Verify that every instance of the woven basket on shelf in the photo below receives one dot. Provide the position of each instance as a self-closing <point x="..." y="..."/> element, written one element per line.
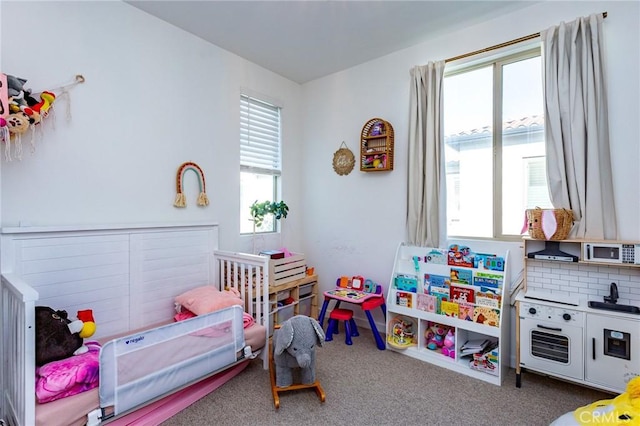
<point x="564" y="220"/>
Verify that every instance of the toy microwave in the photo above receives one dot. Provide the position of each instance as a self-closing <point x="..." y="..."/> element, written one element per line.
<point x="611" y="253"/>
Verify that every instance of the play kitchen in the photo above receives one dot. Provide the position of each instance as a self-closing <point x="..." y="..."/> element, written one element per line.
<point x="578" y="317"/>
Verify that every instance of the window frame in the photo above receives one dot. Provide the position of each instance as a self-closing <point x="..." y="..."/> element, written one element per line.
<point x="253" y="163"/>
<point x="496" y="60"/>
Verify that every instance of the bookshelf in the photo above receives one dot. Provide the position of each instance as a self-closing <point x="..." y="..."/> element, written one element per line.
<point x="429" y="319"/>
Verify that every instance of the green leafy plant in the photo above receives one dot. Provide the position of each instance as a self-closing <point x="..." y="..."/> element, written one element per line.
<point x="259" y="210"/>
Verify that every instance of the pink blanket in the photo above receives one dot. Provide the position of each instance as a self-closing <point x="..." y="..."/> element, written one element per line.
<point x="247" y="320"/>
<point x="68" y="376"/>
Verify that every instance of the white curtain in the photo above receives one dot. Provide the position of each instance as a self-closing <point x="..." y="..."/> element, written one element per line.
<point x="425" y="193"/>
<point x="577" y="126"/>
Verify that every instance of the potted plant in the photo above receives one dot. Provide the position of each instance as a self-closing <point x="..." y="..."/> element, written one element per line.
<point x="279" y="210"/>
<point x="258" y="211"/>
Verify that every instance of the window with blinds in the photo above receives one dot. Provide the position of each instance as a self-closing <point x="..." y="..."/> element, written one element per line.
<point x="260" y="159"/>
<point x="259" y="136"/>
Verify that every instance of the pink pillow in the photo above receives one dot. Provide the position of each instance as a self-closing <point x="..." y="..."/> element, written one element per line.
<point x="206" y="299"/>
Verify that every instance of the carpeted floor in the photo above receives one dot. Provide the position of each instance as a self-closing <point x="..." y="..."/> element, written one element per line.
<point x="366" y="386"/>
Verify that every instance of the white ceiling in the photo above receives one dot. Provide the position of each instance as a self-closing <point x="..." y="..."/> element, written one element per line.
<point x="306" y="40"/>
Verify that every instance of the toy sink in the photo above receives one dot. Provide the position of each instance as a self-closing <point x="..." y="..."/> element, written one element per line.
<point x="614" y="307"/>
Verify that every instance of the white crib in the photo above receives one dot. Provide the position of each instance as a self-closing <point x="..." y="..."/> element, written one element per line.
<point x="128" y="276"/>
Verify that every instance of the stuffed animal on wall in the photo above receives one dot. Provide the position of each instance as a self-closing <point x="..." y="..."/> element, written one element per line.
<point x="295" y="347"/>
<point x="57" y="337"/>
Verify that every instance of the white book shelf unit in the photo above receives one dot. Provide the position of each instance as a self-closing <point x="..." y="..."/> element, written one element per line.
<point x="470" y="308"/>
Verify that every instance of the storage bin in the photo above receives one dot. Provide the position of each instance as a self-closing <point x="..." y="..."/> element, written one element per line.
<point x="282" y="295"/>
<point x="283" y="313"/>
<point x="304" y="306"/>
<point x="305" y="290"/>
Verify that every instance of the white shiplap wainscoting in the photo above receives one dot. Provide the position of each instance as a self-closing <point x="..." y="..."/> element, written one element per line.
<point x="128" y="275"/>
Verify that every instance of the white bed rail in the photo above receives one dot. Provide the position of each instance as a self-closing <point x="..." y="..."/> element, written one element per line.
<point x="18" y="351"/>
<point x="145" y="366"/>
<point x="249" y="275"/>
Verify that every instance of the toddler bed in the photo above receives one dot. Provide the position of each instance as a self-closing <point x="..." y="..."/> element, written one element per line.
<point x="130" y="277"/>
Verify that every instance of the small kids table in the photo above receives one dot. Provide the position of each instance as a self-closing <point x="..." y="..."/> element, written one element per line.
<point x="366" y="301"/>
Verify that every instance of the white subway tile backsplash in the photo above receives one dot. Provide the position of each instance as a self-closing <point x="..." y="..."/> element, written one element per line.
<point x="598" y="275"/>
<point x="577" y="279"/>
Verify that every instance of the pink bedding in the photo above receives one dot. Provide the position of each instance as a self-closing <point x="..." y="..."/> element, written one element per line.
<point x="78" y="376"/>
<point x="70" y="376"/>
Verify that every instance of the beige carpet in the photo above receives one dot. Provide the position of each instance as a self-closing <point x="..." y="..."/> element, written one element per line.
<point x="366" y="386"/>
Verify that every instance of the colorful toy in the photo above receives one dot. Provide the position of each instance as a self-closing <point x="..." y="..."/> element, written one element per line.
<point x="621" y="410"/>
<point x="435" y="335"/>
<point x="449" y="346"/>
<point x="88" y="323"/>
<point x="357" y="282"/>
<point x="401" y="334"/>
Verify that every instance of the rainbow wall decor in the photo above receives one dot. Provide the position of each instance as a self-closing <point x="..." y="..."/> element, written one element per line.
<point x="203" y="200"/>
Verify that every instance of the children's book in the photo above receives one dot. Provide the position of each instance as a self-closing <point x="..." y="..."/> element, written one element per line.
<point x="426" y="302"/>
<point x="488" y="299"/>
<point x="460" y="256"/>
<point x="436" y="280"/>
<point x="474" y="346"/>
<point x="449" y="309"/>
<point x="486" y="282"/>
<point x="403" y="298"/>
<point x="465" y="311"/>
<point x="487" y="279"/>
<point x="488" y="261"/>
<point x="436" y="256"/>
<point x="486" y="361"/>
<point x="462" y="294"/>
<point x="487" y="316"/>
<point x="406" y="282"/>
<point x="440" y="293"/>
<point x="462" y="276"/>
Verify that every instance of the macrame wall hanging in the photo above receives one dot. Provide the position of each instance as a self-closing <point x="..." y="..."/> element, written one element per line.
<point x="23" y="110"/>
<point x="181" y="201"/>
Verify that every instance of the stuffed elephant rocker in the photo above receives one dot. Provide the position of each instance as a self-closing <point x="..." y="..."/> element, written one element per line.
<point x="295" y="347"/>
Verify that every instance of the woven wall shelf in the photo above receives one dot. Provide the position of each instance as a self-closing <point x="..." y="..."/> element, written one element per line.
<point x="376" y="146"/>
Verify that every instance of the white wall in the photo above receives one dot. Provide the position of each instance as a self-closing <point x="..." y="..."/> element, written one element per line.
<point x="355" y="222"/>
<point x="154" y="97"/>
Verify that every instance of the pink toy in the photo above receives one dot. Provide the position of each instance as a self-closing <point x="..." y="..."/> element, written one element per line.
<point x="449" y="347"/>
<point x="435" y="335"/>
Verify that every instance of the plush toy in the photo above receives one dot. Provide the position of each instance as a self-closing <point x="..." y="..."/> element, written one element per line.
<point x="57" y="337"/>
<point x="15" y="91"/>
<point x="295" y="347"/>
<point x="435" y="335"/>
<point x="449" y="344"/>
<point x="88" y="323"/>
<point x="18" y="123"/>
<point x="622" y="410"/>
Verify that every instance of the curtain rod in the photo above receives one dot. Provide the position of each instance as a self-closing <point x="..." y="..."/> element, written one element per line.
<point x="501" y="45"/>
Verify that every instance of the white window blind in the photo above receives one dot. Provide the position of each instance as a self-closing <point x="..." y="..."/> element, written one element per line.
<point x="259" y="136"/>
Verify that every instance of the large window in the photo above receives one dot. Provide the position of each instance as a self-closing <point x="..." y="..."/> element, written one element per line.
<point x="494" y="146"/>
<point x="259" y="159"/>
